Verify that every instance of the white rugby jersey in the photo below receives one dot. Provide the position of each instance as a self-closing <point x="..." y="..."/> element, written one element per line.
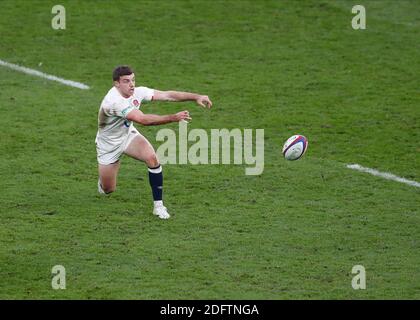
<point x="113" y="127"/>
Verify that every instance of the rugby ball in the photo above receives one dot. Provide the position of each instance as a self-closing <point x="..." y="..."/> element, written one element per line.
<point x="295" y="147"/>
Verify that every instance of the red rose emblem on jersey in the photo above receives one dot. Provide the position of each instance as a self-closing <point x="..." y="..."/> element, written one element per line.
<point x="136" y="103"/>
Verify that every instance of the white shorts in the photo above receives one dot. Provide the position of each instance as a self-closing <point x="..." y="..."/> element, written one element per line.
<point x="106" y="158"/>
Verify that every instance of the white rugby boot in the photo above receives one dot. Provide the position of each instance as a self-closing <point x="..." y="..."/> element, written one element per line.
<point x="100" y="190"/>
<point x="161" y="211"/>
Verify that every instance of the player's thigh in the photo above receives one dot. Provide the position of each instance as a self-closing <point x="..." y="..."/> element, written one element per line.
<point x="108" y="174"/>
<point x="141" y="149"/>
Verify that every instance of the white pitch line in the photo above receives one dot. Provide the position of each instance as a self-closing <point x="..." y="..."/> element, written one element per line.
<point x="44" y="75"/>
<point x="385" y="175"/>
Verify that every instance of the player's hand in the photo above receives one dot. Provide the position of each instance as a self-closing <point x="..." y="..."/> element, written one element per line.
<point x="182" y="116"/>
<point x="204" y="101"/>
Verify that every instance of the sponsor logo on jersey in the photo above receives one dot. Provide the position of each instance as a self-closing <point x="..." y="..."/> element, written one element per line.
<point x="136" y="102"/>
<point x="126" y="110"/>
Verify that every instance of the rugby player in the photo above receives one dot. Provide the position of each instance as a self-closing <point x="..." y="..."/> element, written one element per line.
<point x="117" y="135"/>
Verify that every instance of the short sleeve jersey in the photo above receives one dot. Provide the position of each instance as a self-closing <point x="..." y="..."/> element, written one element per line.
<point x="113" y="127"/>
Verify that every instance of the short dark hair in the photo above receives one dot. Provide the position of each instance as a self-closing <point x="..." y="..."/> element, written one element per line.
<point x="121" y="71"/>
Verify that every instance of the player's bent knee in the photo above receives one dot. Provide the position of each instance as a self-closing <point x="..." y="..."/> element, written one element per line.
<point x="109" y="189"/>
<point x="152" y="161"/>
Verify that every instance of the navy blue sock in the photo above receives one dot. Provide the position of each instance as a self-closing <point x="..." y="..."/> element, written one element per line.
<point x="156" y="182"/>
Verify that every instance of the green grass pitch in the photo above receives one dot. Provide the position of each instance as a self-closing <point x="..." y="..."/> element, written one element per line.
<point x="287" y="67"/>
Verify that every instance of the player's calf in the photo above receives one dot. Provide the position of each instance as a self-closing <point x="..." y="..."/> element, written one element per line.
<point x="156" y="183"/>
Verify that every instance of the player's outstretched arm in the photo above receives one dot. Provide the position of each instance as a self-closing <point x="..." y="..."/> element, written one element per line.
<point x="154" y="119"/>
<point x="201" y="100"/>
